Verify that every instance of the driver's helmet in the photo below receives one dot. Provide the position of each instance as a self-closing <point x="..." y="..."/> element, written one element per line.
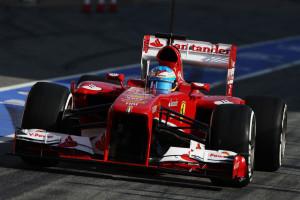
<point x="162" y="79"/>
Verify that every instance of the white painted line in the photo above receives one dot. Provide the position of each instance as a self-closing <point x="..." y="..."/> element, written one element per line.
<point x="267" y="71"/>
<point x="269" y="42"/>
<point x="14" y="102"/>
<point x="23" y="93"/>
<point x="6" y="138"/>
<point x="28" y="84"/>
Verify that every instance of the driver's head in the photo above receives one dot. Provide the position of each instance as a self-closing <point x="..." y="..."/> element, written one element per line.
<point x="162" y="79"/>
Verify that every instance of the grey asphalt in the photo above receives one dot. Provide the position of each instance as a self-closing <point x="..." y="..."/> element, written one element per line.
<point x="43" y="42"/>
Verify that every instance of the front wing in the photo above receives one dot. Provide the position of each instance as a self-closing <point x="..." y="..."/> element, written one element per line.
<point x="194" y="160"/>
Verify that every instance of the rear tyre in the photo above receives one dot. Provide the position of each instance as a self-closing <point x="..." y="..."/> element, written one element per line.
<point x="43" y="110"/>
<point x="233" y="129"/>
<point x="271" y="117"/>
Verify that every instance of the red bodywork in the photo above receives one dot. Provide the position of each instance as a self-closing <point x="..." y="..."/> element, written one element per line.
<point x="134" y="99"/>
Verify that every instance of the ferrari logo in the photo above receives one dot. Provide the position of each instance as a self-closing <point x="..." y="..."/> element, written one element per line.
<point x="182" y="108"/>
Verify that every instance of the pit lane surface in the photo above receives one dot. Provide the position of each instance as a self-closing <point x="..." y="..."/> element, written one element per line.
<point x="78" y="181"/>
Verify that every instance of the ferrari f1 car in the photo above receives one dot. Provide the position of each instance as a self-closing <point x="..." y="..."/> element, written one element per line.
<point x="159" y="121"/>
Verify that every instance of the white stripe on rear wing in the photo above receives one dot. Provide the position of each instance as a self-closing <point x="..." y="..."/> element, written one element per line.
<point x="197" y="53"/>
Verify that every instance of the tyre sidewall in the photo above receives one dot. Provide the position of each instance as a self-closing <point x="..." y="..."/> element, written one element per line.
<point x="44" y="106"/>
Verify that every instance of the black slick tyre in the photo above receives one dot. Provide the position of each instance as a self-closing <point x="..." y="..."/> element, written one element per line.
<point x="233" y="129"/>
<point x="44" y="106"/>
<point x="271" y="117"/>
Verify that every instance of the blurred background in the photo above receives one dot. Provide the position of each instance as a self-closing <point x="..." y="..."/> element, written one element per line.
<point x="49" y="38"/>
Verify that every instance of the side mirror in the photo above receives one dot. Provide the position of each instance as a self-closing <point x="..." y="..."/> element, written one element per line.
<point x="200" y="86"/>
<point x="116" y="77"/>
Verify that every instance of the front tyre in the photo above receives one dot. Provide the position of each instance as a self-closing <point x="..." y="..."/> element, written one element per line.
<point x="44" y="106"/>
<point x="233" y="128"/>
<point x="43" y="110"/>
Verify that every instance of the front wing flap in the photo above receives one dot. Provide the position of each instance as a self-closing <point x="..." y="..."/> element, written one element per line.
<point x="88" y="145"/>
<point x="197" y="152"/>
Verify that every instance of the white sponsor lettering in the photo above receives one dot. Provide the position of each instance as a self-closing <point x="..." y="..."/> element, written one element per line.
<point x="223" y="102"/>
<point x="56" y="139"/>
<point x="230" y="76"/>
<point x="173" y="104"/>
<point x="194" y="52"/>
<point x="132" y="103"/>
<point x="39" y="136"/>
<point x="92" y="87"/>
<point x="197" y="152"/>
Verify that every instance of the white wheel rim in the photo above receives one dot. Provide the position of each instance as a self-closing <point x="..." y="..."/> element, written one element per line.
<point x="280" y="150"/>
<point x="69" y="102"/>
<point x="282" y="137"/>
<point x="251" y="149"/>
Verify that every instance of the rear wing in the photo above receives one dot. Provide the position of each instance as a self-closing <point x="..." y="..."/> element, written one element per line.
<point x="194" y="52"/>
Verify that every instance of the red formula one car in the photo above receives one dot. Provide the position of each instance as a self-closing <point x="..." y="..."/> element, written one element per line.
<point x="159" y="121"/>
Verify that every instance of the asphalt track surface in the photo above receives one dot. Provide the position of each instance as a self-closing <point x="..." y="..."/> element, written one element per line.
<point x="80" y="181"/>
